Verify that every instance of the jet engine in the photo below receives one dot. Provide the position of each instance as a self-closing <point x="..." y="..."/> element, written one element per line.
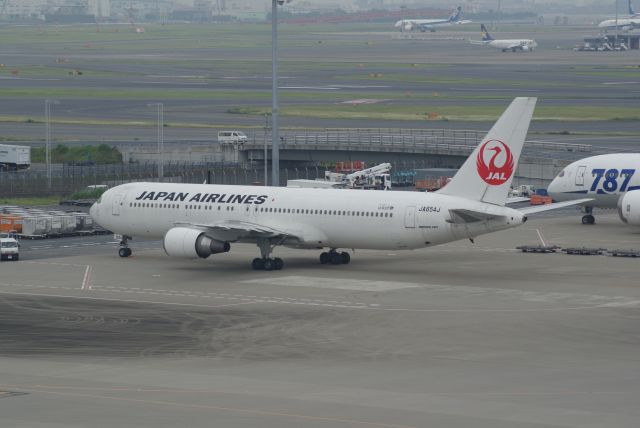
<point x="629" y="208"/>
<point x="191" y="243"/>
<point x="525" y="48"/>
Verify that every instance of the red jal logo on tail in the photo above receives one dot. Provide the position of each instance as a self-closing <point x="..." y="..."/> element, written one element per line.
<point x="490" y="172"/>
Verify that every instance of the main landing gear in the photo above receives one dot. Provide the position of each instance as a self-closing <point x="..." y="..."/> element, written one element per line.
<point x="588" y="218"/>
<point x="124" y="250"/>
<point x="335" y="258"/>
<point x="265" y="262"/>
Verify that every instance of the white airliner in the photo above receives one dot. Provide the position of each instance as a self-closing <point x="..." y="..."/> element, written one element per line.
<point x="626" y="23"/>
<point x="610" y="180"/>
<point x="197" y="220"/>
<point x="523" y="45"/>
<point x="431" y="24"/>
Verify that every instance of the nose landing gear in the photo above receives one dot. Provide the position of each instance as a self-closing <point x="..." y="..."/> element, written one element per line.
<point x="124" y="250"/>
<point x="588" y="218"/>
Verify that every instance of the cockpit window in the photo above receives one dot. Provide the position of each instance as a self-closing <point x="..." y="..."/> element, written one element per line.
<point x="561" y="173"/>
<point x="99" y="200"/>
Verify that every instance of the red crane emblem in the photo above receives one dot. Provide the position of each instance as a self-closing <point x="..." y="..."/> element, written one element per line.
<point x="490" y="172"/>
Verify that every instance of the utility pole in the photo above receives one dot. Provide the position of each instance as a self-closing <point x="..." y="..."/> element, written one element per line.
<point x="47" y="131"/>
<point x="275" y="147"/>
<point x="160" y="137"/>
<point x="266" y="129"/>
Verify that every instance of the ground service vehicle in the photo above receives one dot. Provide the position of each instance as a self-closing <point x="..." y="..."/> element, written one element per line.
<point x="14" y="158"/>
<point x="9" y="249"/>
<point x="231" y="137"/>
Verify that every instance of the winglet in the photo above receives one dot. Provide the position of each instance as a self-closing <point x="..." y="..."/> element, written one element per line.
<point x="488" y="172"/>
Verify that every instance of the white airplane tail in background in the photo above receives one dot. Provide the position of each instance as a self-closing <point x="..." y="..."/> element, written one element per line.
<point x="487" y="174"/>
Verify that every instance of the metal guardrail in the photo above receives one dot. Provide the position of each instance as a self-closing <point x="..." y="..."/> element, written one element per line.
<point x="435" y="141"/>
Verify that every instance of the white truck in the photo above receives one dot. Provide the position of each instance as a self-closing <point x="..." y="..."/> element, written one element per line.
<point x="376" y="177"/>
<point x="9" y="248"/>
<point x="14" y="158"/>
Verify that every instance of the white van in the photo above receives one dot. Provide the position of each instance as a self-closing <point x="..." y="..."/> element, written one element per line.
<point x="231" y="137"/>
<point x="9" y="249"/>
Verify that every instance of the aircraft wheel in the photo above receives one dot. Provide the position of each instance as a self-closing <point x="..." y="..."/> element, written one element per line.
<point x="124" y="252"/>
<point x="324" y="258"/>
<point x="336" y="258"/>
<point x="257" y="264"/>
<point x="269" y="264"/>
<point x="588" y="219"/>
<point x="278" y="263"/>
<point x="346" y="258"/>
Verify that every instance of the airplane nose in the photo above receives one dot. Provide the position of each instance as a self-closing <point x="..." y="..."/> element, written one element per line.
<point x="553" y="188"/>
<point x="93" y="211"/>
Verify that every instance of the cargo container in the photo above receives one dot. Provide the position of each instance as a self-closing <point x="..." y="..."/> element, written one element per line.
<point x="431" y="184"/>
<point x="10" y="223"/>
<point x="35" y="226"/>
<point x="14" y="158"/>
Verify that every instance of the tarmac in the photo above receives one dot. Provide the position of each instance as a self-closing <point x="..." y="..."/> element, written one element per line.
<point x="458" y="335"/>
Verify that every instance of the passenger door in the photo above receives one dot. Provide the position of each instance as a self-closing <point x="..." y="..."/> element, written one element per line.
<point x="410" y="217"/>
<point x="117" y="204"/>
<point x="582" y="170"/>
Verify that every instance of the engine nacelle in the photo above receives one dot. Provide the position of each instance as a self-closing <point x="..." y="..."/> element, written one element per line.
<point x="190" y="243"/>
<point x="629" y="208"/>
<point x="525" y="48"/>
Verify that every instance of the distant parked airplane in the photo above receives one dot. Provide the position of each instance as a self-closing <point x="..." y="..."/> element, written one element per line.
<point x="505" y="45"/>
<point x="431" y="24"/>
<point x="625" y="23"/>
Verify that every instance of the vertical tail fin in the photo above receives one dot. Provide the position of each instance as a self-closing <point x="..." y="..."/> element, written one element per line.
<point x="488" y="172"/>
<point x="455" y="16"/>
<point x="486" y="37"/>
<point x="631" y="11"/>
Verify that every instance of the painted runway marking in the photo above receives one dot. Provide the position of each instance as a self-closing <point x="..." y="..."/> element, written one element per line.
<point x="86" y="282"/>
<point x="333" y="283"/>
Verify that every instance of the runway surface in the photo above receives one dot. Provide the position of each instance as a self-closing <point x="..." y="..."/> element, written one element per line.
<point x="458" y="335"/>
<point x="200" y="81"/>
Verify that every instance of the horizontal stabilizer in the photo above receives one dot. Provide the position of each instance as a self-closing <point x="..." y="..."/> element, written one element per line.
<point x="468" y="216"/>
<point x="548" y="207"/>
<point x="516" y="199"/>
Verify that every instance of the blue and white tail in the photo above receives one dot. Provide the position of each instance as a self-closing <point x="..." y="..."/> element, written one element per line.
<point x="488" y="172"/>
<point x="486" y="37"/>
<point x="457" y="13"/>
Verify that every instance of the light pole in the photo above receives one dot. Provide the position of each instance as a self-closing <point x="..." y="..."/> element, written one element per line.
<point x="275" y="138"/>
<point x="47" y="131"/>
<point x="160" y="125"/>
<point x="266" y="128"/>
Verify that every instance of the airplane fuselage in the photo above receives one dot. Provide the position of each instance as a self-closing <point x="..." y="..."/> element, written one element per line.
<point x="317" y="217"/>
<point x="514" y="44"/>
<point x="604" y="178"/>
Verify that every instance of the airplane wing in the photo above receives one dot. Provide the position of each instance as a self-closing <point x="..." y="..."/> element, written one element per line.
<point x="459" y="216"/>
<point x="477" y="42"/>
<point x="464" y="21"/>
<point x="232" y="230"/>
<point x="235" y="230"/>
<point x="541" y="208"/>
